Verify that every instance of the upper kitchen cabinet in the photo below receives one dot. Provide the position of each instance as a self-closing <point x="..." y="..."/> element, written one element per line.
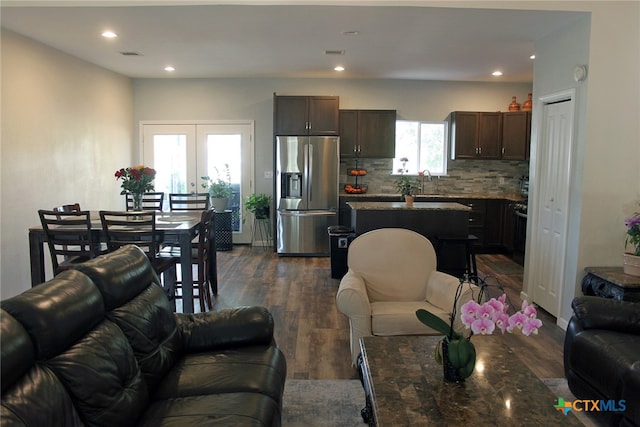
<point x="516" y="135"/>
<point x="475" y="135"/>
<point x="306" y="115"/>
<point x="368" y="133"/>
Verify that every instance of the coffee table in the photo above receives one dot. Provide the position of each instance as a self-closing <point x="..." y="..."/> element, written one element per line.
<point x="404" y="386"/>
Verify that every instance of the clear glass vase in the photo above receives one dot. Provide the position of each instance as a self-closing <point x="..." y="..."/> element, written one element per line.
<point x="137" y="201"/>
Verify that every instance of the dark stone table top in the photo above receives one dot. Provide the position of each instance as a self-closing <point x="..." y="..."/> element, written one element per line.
<point x="408" y="388"/>
<point x="616" y="276"/>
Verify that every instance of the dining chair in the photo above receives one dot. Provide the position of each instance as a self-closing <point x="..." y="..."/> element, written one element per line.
<point x="75" y="207"/>
<point x="150" y="201"/>
<point x="188" y="201"/>
<point x="203" y="255"/>
<point x="69" y="238"/>
<point x="139" y="228"/>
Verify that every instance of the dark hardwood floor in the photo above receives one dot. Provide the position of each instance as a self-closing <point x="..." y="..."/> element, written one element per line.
<point x="314" y="335"/>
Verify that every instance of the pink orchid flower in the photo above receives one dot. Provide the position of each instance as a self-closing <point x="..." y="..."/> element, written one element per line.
<point x="531" y="326"/>
<point x="501" y="320"/>
<point x="516" y="321"/>
<point x="497" y="304"/>
<point x="470" y="307"/>
<point x="467" y="319"/>
<point x="485" y="311"/>
<point x="529" y="310"/>
<point x="483" y="326"/>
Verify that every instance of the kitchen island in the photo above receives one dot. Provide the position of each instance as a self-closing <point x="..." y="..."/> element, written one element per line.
<point x="434" y="220"/>
<point x="431" y="219"/>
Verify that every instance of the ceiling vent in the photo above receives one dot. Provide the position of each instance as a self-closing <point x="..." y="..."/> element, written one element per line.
<point x="334" y="52"/>
<point x="130" y="54"/>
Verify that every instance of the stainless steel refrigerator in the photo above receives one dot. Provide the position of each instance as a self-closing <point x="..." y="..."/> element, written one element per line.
<point x="307" y="170"/>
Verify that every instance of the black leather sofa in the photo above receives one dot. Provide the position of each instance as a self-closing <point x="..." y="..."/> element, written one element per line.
<point x="602" y="356"/>
<point x="101" y="346"/>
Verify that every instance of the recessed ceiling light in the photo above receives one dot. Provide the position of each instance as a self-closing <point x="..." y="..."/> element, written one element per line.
<point x="339" y="68"/>
<point x="496" y="73"/>
<point x="350" y="33"/>
<point x="169" y="68"/>
<point x="532" y="56"/>
<point x="109" y="35"/>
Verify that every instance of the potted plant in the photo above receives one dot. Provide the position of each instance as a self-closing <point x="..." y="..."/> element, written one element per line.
<point x="631" y="262"/>
<point x="136" y="180"/>
<point x="219" y="190"/>
<point x="259" y="205"/>
<point x="407" y="188"/>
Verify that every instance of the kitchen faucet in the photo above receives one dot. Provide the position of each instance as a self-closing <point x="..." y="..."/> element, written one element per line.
<point x="421" y="174"/>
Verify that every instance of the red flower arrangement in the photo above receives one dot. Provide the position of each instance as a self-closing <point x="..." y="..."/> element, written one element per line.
<point x="136" y="179"/>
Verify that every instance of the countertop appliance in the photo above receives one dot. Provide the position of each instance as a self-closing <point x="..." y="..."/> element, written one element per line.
<point x="307" y="173"/>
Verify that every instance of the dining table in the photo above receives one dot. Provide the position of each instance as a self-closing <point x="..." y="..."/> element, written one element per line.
<point x="176" y="227"/>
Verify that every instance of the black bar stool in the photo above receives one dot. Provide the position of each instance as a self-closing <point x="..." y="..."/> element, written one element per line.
<point x="471" y="268"/>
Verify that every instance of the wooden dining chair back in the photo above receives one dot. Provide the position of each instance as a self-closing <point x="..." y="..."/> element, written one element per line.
<point x="139" y="228"/>
<point x="151" y="201"/>
<point x="206" y="260"/>
<point x="188" y="202"/>
<point x="128" y="228"/>
<point x="75" y="207"/>
<point x="203" y="255"/>
<point x="69" y="237"/>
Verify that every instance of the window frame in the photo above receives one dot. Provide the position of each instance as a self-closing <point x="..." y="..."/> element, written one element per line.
<point x="397" y="164"/>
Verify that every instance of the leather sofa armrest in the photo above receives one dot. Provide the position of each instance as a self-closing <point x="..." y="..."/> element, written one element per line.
<point x="235" y="327"/>
<point x="599" y="313"/>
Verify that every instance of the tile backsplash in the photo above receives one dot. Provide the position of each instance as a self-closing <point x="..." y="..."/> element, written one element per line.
<point x="463" y="176"/>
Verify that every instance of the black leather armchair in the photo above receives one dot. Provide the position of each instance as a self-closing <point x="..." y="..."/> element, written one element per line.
<point x="100" y="345"/>
<point x="602" y="355"/>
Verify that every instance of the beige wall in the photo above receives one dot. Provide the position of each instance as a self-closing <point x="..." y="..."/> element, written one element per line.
<point x="238" y="99"/>
<point x="66" y="128"/>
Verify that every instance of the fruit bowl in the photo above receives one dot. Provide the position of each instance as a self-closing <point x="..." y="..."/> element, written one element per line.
<point x="357" y="172"/>
<point x="356" y="189"/>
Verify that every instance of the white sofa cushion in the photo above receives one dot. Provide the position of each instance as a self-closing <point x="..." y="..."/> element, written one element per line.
<point x="399" y="318"/>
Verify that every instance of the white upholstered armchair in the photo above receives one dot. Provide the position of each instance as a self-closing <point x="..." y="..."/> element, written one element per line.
<point x="392" y="273"/>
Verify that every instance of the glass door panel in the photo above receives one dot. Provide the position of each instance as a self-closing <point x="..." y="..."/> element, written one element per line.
<point x="224" y="151"/>
<point x="183" y="154"/>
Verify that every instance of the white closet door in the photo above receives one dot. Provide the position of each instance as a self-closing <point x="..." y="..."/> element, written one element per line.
<point x="551" y="205"/>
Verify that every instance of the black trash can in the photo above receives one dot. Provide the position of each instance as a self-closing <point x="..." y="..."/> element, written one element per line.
<point x="340" y="237"/>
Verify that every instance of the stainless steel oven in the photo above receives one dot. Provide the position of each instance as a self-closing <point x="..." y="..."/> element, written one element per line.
<point x="520" y="231"/>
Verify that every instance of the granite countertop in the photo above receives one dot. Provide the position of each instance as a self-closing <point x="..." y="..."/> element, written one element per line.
<point x="377" y="206"/>
<point x="511" y="197"/>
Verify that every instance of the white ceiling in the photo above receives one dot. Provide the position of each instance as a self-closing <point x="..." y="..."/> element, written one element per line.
<point x="208" y="41"/>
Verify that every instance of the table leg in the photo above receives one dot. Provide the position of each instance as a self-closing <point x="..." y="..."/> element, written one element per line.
<point x="36" y="257"/>
<point x="187" y="272"/>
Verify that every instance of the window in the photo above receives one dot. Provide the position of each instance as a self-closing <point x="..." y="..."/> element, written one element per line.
<point x="424" y="144"/>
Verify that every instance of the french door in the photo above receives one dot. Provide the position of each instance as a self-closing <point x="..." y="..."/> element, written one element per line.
<point x="182" y="153"/>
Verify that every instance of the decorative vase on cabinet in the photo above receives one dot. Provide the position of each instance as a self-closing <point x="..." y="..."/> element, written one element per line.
<point x="514" y="106"/>
<point x="631" y="264"/>
<point x="526" y="105"/>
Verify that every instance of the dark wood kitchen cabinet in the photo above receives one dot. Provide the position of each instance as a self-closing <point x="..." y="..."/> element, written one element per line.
<point x="475" y="135"/>
<point x="368" y="133"/>
<point x="516" y="135"/>
<point x="493" y="225"/>
<point x="306" y="115"/>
